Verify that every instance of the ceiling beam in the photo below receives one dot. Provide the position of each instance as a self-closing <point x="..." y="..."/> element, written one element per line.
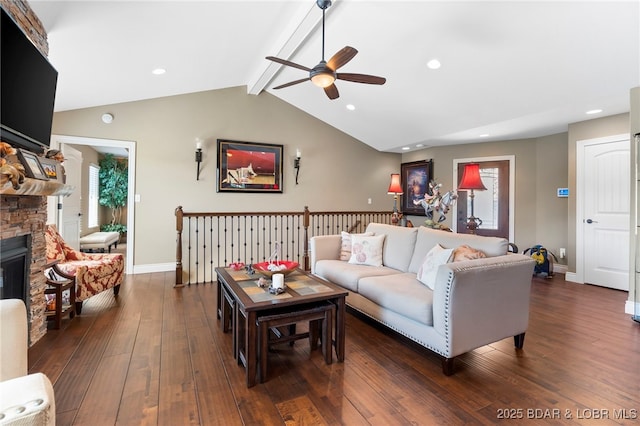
<point x="291" y="39"/>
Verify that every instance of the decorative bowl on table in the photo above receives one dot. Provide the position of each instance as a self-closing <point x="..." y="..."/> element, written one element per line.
<point x="236" y="266"/>
<point x="280" y="267"/>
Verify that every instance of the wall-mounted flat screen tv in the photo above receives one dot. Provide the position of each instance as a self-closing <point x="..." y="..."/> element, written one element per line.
<point x="28" y="89"/>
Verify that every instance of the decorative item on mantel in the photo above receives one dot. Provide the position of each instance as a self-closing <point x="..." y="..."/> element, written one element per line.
<point x="10" y="171"/>
<point x="16" y="180"/>
<point x="437" y="205"/>
<point x="57" y="173"/>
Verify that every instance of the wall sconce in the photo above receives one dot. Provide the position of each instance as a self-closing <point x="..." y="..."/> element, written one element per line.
<point x="395" y="189"/>
<point x="471" y="181"/>
<point x="296" y="163"/>
<point x="198" y="157"/>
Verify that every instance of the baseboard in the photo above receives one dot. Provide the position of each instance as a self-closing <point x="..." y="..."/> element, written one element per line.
<point x="561" y="269"/>
<point x="628" y="307"/>
<point x="573" y="277"/>
<point x="154" y="267"/>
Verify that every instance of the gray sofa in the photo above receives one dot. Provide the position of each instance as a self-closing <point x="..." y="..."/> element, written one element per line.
<point x="473" y="303"/>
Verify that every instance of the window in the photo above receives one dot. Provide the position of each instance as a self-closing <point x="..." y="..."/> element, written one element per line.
<point x="94" y="184"/>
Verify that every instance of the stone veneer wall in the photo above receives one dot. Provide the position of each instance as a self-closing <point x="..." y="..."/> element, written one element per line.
<point x="22" y="13"/>
<point x="21" y="215"/>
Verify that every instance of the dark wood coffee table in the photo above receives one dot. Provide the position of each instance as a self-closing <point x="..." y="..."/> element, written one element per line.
<point x="241" y="302"/>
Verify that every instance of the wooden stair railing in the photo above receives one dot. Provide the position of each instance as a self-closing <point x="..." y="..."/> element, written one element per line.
<point x="206" y="240"/>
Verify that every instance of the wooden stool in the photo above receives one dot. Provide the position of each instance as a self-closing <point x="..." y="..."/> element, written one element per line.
<point x="228" y="317"/>
<point x="317" y="315"/>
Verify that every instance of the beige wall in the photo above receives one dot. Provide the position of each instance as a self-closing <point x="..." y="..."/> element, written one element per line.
<point x="540" y="216"/>
<point x="338" y="172"/>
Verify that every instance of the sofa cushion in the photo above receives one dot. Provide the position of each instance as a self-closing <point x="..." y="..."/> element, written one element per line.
<point x="367" y="250"/>
<point x="437" y="256"/>
<point x="398" y="245"/>
<point x="400" y="293"/>
<point x="345" y="246"/>
<point x="427" y="238"/>
<point x="348" y="275"/>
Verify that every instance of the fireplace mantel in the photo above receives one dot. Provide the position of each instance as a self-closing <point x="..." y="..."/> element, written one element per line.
<point x="37" y="187"/>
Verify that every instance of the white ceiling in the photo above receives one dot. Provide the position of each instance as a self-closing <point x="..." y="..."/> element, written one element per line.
<point x="510" y="69"/>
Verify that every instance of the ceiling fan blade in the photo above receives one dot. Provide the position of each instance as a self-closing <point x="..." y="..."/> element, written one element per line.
<point x="361" y="78"/>
<point x="342" y="57"/>
<point x="287" y="63"/>
<point x="291" y="83"/>
<point x="332" y="91"/>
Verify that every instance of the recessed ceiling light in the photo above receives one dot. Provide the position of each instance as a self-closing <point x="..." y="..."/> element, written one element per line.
<point x="594" y="111"/>
<point x="159" y="71"/>
<point x="351" y="107"/>
<point x="420" y="145"/>
<point x="405" y="148"/>
<point x="107" y="118"/>
<point x="484" y="135"/>
<point x="434" y="64"/>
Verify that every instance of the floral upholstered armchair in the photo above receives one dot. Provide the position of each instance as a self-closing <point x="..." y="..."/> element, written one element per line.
<point x="93" y="273"/>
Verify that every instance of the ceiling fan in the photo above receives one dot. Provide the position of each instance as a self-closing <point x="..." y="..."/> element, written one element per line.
<point x="324" y="74"/>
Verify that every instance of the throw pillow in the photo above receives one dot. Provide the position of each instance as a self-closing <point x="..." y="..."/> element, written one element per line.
<point x="464" y="252"/>
<point x="367" y="250"/>
<point x="345" y="248"/>
<point x="437" y="256"/>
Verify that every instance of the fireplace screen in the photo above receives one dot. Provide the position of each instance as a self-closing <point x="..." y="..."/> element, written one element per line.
<point x="15" y="255"/>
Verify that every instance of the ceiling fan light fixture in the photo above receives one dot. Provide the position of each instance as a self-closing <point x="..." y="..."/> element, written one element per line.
<point x="323" y="79"/>
<point x="322" y="76"/>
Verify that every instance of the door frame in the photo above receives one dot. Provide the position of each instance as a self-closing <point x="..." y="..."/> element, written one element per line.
<point x="580" y="170"/>
<point x="512" y="188"/>
<point x="57" y="140"/>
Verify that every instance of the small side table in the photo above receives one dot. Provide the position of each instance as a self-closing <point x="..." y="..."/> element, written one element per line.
<point x="57" y="287"/>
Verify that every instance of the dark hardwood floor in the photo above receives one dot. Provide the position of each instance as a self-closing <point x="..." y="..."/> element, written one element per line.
<point x="156" y="355"/>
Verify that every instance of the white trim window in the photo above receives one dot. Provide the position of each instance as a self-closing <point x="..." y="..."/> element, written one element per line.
<point x="94" y="195"/>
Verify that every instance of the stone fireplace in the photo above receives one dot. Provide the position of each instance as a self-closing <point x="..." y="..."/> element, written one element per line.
<point x="26" y="216"/>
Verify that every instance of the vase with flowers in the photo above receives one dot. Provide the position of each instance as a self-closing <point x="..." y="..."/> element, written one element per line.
<point x="436" y="205"/>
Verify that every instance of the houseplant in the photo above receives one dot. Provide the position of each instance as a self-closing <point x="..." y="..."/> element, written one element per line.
<point x="113" y="191"/>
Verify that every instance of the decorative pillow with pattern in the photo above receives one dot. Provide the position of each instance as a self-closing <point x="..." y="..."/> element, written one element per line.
<point x="464" y="252"/>
<point x="367" y="250"/>
<point x="345" y="248"/>
<point x="437" y="256"/>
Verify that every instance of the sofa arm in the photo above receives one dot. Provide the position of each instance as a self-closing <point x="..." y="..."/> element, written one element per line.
<point x="324" y="247"/>
<point x="27" y="400"/>
<point x="481" y="301"/>
<point x="13" y="339"/>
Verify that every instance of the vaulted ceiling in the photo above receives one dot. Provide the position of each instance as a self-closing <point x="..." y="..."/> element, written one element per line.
<point x="509" y="69"/>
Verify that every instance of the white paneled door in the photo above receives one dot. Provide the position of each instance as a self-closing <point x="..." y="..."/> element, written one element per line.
<point x="605" y="213"/>
<point x="71" y="214"/>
